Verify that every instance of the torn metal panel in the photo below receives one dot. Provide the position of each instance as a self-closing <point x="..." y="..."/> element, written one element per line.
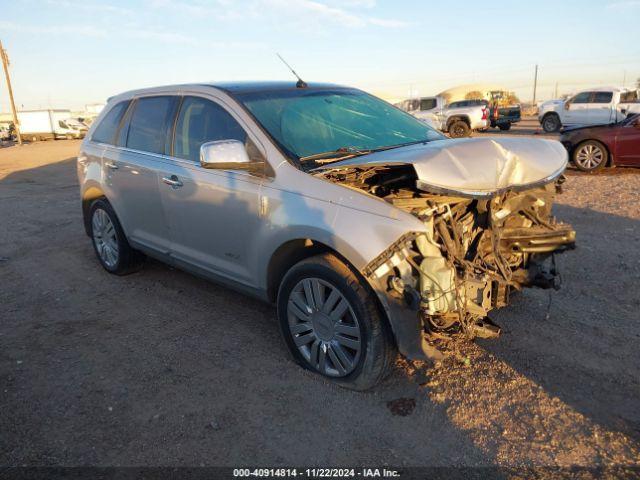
<point x="474" y="250"/>
<point x="476" y="167"/>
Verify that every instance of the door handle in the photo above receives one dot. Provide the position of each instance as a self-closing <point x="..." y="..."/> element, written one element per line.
<point x="111" y="165"/>
<point x="172" y="180"/>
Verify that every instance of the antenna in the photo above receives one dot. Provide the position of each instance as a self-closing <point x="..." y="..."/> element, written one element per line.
<point x="300" y="83"/>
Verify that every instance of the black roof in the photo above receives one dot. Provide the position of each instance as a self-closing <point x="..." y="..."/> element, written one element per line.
<point x="268" y="86"/>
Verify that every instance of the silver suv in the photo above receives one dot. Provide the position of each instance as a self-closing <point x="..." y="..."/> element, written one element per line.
<point x="370" y="231"/>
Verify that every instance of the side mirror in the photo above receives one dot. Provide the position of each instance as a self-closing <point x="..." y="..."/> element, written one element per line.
<point x="636" y="122"/>
<point x="567" y="105"/>
<point x="229" y="155"/>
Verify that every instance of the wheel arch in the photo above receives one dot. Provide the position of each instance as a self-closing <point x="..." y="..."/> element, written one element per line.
<point x="293" y="251"/>
<point x="90" y="194"/>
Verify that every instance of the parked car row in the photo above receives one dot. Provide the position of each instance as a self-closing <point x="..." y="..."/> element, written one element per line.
<point x="595" y="147"/>
<point x="462" y="117"/>
<point x="50" y="124"/>
<point x="457" y="120"/>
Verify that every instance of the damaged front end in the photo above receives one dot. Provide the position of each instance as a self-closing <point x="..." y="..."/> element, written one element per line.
<point x="475" y="251"/>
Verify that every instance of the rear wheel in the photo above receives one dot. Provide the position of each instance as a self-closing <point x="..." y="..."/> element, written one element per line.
<point x="109" y="242"/>
<point x="551" y="123"/>
<point x="331" y="323"/>
<point x="459" y="129"/>
<point x="504" y="126"/>
<point x="590" y="156"/>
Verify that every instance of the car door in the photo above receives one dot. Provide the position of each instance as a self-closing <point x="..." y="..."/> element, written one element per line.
<point x="131" y="171"/>
<point x="577" y="110"/>
<point x="601" y="111"/>
<point x="628" y="142"/>
<point x="212" y="213"/>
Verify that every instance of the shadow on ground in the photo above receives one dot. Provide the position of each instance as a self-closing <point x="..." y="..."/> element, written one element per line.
<point x="161" y="367"/>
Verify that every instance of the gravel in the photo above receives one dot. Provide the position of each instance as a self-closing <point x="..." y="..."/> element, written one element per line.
<point x="162" y="368"/>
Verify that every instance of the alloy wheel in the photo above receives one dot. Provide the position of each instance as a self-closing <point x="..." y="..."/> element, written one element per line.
<point x="324" y="327"/>
<point x="589" y="156"/>
<point x="104" y="237"/>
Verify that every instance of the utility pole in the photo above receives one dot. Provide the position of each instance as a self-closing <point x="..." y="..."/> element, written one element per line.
<point x="5" y="65"/>
<point x="535" y="85"/>
<point x="555" y="92"/>
<point x="624" y="78"/>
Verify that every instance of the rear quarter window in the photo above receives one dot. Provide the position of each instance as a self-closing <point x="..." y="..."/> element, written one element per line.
<point x="106" y="131"/>
<point x="602" y="97"/>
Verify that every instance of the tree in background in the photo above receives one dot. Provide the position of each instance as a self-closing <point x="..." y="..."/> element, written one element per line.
<point x="474" y="95"/>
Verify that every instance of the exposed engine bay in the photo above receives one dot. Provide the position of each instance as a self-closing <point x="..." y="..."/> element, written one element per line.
<point x="476" y="250"/>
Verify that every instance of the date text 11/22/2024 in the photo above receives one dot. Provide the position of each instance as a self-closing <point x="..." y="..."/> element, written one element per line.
<point x="317" y="472"/>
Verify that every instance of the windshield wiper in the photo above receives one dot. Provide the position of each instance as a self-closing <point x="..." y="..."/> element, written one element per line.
<point x="337" y="153"/>
<point x="349" y="152"/>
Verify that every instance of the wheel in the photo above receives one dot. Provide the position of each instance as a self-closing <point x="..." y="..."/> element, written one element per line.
<point x="551" y="123"/>
<point x="331" y="323"/>
<point x="504" y="126"/>
<point x="590" y="156"/>
<point x="459" y="129"/>
<point x="109" y="242"/>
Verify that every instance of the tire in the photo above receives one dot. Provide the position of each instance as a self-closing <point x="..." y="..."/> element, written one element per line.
<point x="590" y="156"/>
<point x="551" y="123"/>
<point x="109" y="241"/>
<point x="504" y="126"/>
<point x="459" y="129"/>
<point x="351" y="344"/>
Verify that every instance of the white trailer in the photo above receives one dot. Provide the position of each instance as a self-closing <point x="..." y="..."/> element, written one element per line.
<point x="47" y="124"/>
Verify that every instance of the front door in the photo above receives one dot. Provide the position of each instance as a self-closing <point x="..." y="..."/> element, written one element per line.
<point x="212" y="214"/>
<point x="577" y="110"/>
<point x="628" y="143"/>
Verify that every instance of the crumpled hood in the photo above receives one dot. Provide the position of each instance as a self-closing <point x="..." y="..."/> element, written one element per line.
<point x="474" y="166"/>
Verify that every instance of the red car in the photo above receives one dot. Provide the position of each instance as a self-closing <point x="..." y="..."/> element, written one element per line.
<point x="592" y="148"/>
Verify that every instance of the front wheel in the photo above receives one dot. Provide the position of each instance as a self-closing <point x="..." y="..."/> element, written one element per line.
<point x="590" y="156"/>
<point x="551" y="123"/>
<point x="331" y="324"/>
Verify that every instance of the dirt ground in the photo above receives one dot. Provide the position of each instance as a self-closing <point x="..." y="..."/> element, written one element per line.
<point x="163" y="368"/>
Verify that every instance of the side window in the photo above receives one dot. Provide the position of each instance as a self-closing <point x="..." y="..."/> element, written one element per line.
<point x="105" y="132"/>
<point x="427" y="103"/>
<point x="582" y="97"/>
<point x="150" y="123"/>
<point x="630" y="96"/>
<point x="199" y="121"/>
<point x="602" y="97"/>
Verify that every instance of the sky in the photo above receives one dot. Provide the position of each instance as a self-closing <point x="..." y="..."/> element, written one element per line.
<point x="68" y="53"/>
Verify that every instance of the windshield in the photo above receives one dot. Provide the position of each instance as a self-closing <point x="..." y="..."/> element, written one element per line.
<point x="306" y="122"/>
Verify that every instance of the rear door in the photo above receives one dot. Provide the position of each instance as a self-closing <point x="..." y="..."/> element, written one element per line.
<point x="212" y="214"/>
<point x="601" y="109"/>
<point x="577" y="112"/>
<point x="131" y="171"/>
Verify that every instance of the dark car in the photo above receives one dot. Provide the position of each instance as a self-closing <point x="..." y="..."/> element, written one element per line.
<point x="593" y="148"/>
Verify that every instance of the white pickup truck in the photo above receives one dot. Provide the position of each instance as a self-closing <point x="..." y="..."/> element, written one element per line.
<point x="458" y="121"/>
<point x="596" y="106"/>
